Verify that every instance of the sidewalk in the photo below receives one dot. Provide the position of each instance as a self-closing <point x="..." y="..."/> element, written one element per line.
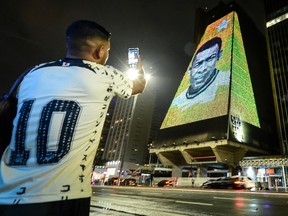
<point x="274" y="190"/>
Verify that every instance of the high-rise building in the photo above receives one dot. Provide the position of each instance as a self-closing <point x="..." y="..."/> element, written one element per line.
<point x="274" y="168"/>
<point x="128" y="136"/>
<point x="277" y="38"/>
<point x="233" y="115"/>
<point x="98" y="161"/>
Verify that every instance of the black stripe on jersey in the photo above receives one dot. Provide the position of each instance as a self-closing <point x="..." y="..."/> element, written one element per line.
<point x="66" y="62"/>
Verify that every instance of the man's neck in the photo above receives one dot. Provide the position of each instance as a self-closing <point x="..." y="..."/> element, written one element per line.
<point x="79" y="55"/>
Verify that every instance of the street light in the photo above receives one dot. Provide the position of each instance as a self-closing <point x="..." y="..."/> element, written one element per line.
<point x="132" y="74"/>
<point x="150" y="146"/>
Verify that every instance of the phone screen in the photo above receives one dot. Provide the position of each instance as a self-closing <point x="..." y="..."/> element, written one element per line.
<point x="133" y="56"/>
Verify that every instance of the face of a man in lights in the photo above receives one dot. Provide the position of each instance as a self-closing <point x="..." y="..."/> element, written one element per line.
<point x="203" y="67"/>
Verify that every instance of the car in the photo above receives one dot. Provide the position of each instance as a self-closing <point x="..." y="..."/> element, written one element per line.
<point x="165" y="183"/>
<point x="128" y="182"/>
<point x="123" y="181"/>
<point x="204" y="185"/>
<point x="224" y="183"/>
<point x="111" y="181"/>
<point x="248" y="183"/>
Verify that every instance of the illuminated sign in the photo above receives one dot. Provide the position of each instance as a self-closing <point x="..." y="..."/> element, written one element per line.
<point x="217" y="81"/>
<point x="242" y="104"/>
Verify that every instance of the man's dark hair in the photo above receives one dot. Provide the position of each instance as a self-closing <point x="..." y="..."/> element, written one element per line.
<point x="210" y="43"/>
<point x="83" y="29"/>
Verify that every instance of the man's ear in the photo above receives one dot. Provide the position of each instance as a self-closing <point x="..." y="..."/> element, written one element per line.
<point x="98" y="52"/>
<point x="219" y="55"/>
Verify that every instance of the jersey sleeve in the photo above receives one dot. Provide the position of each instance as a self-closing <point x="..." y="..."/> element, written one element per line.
<point x="122" y="84"/>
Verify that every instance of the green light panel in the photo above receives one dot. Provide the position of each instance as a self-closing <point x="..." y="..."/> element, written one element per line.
<point x="242" y="103"/>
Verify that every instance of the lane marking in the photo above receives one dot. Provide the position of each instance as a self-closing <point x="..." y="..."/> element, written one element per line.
<point x="148" y="193"/>
<point x="235" y="198"/>
<point x="195" y="203"/>
<point x="225" y="198"/>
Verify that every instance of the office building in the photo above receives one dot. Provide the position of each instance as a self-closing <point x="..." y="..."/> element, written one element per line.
<point x="98" y="161"/>
<point x="273" y="169"/>
<point x="277" y="38"/>
<point x="217" y="127"/>
<point x="126" y="145"/>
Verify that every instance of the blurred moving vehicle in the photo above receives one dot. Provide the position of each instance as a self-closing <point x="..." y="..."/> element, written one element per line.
<point x="248" y="183"/>
<point x="128" y="182"/>
<point x="207" y="183"/>
<point x="123" y="182"/>
<point x="165" y="183"/>
<point x="225" y="183"/>
<point x="111" y="181"/>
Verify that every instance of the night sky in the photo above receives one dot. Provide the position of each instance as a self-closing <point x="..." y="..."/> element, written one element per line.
<point x="33" y="32"/>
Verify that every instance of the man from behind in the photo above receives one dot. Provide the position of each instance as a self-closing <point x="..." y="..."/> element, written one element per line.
<point x="61" y="110"/>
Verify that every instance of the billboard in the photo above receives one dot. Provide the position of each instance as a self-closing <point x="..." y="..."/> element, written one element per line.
<point x="217" y="81"/>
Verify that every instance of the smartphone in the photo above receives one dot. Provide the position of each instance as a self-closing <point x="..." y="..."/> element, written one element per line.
<point x="133" y="57"/>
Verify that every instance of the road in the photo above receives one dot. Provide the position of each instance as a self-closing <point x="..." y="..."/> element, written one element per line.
<point x="124" y="201"/>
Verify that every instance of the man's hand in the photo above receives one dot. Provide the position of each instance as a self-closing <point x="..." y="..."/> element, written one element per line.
<point x="139" y="84"/>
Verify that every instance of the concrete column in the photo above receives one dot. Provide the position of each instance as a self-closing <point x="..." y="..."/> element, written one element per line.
<point x="229" y="157"/>
<point x="284" y="178"/>
<point x="164" y="160"/>
<point x="176" y="171"/>
<point x="186" y="156"/>
<point x="201" y="171"/>
<point x="230" y="170"/>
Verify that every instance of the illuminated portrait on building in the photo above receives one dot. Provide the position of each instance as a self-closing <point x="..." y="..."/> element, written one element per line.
<point x="217" y="81"/>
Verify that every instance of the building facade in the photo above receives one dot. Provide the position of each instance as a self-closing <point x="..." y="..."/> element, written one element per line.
<point x="126" y="145"/>
<point x="98" y="161"/>
<point x="241" y="122"/>
<point x="273" y="169"/>
<point x="277" y="39"/>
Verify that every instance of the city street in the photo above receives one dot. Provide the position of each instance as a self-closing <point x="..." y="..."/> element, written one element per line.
<point x="113" y="200"/>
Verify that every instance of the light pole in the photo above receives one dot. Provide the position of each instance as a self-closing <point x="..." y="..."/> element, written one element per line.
<point x="150" y="146"/>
